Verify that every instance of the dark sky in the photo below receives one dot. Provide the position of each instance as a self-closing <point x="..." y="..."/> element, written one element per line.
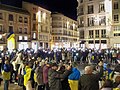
<point x="67" y="7"/>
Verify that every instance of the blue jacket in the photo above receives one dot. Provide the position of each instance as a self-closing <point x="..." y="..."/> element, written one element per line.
<point x="75" y="75"/>
<point x="6" y="68"/>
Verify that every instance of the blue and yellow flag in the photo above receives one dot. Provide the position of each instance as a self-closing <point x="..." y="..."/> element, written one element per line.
<point x="10" y="35"/>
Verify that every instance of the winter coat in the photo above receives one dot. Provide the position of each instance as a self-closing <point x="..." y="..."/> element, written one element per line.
<point x="27" y="75"/>
<point x="6" y="72"/>
<point x="54" y="79"/>
<point x="39" y="75"/>
<point x="45" y="74"/>
<point x="90" y="81"/>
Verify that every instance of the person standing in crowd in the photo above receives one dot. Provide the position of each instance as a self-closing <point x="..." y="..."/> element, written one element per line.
<point x="27" y="77"/>
<point x="74" y="77"/>
<point x="54" y="77"/>
<point x="45" y="75"/>
<point x="90" y="81"/>
<point x="6" y="74"/>
<point x="116" y="84"/>
<point x="64" y="82"/>
<point x="108" y="85"/>
<point x="39" y="76"/>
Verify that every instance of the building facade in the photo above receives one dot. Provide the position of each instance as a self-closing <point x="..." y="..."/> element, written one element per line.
<point x="64" y="31"/>
<point x="40" y="25"/>
<point x="16" y="20"/>
<point x="99" y="23"/>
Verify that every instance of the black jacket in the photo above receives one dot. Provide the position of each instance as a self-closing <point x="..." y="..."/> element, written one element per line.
<point x="90" y="81"/>
<point x="54" y="79"/>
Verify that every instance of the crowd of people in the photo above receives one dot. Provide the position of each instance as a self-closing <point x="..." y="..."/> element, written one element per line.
<point x="46" y="69"/>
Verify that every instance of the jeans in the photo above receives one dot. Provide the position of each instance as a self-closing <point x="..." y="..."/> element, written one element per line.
<point x="6" y="84"/>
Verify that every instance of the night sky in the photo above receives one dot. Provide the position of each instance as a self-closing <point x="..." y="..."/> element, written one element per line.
<point x="67" y="7"/>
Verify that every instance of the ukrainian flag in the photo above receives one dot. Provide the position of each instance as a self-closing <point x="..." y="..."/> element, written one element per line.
<point x="11" y="41"/>
<point x="10" y="35"/>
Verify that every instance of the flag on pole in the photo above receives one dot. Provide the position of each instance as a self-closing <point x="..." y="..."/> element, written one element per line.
<point x="10" y="35"/>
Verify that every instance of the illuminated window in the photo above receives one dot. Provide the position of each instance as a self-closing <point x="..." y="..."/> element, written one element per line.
<point x="44" y="17"/>
<point x="116" y="18"/>
<point x="34" y="35"/>
<point x="39" y="16"/>
<point x="25" y="38"/>
<point x="116" y="6"/>
<point x="101" y="7"/>
<point x="0" y="37"/>
<point x="20" y="37"/>
<point x="81" y="22"/>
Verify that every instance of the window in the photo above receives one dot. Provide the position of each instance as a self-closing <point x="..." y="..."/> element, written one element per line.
<point x="116" y="18"/>
<point x="116" y="28"/>
<point x="20" y="19"/>
<point x="1" y="28"/>
<point x="96" y="33"/>
<point x="34" y="16"/>
<point x="10" y="17"/>
<point x="10" y="28"/>
<point x="64" y="25"/>
<point x="103" y="33"/>
<point x="20" y="37"/>
<point x="102" y="20"/>
<point x="34" y="35"/>
<point x="81" y="22"/>
<point x="81" y="12"/>
<point x="91" y="21"/>
<point x="116" y="6"/>
<point x="91" y="34"/>
<point x="25" y="30"/>
<point x="82" y="34"/>
<point x="101" y="7"/>
<point x="34" y="27"/>
<point x="25" y="38"/>
<point x="117" y="45"/>
<point x="20" y="30"/>
<point x="116" y="34"/>
<point x="25" y="20"/>
<point x="1" y="15"/>
<point x="90" y="9"/>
